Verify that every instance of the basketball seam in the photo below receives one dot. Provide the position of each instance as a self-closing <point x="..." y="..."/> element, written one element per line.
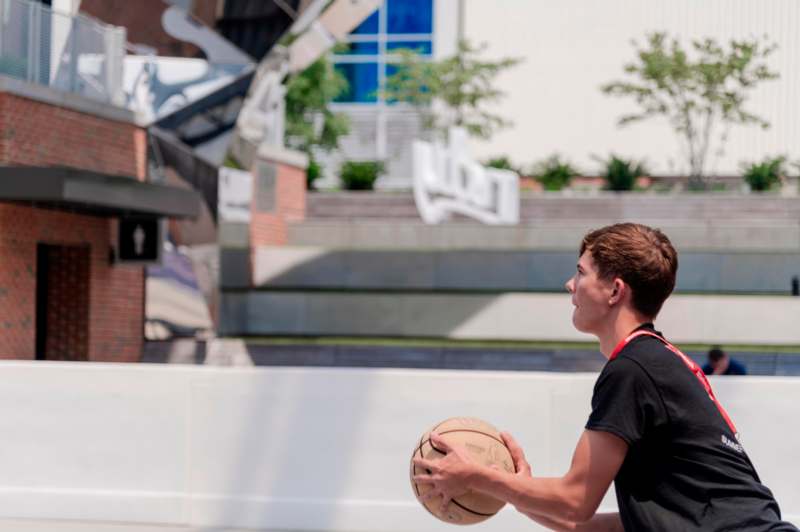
<point x="430" y="442"/>
<point x="414" y="468"/>
<point x="464" y="430"/>
<point x="454" y="501"/>
<point x="469" y="509"/>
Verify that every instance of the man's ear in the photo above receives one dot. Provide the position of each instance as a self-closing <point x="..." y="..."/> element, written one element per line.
<point x="618" y="289"/>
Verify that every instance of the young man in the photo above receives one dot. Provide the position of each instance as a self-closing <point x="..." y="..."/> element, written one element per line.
<point x="655" y="429"/>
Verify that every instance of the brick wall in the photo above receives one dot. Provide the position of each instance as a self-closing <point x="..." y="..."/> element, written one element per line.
<point x="116" y="293"/>
<point x="40" y="134"/>
<point x="269" y="228"/>
<point x="36" y="133"/>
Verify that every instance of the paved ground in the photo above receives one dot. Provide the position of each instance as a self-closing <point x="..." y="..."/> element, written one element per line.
<point x="21" y="525"/>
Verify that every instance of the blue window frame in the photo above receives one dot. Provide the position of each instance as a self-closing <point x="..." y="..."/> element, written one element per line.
<point x="410" y="16"/>
<point x="369" y="26"/>
<point x="363" y="80"/>
<point x="358" y="48"/>
<point x="421" y="47"/>
<point x="365" y="60"/>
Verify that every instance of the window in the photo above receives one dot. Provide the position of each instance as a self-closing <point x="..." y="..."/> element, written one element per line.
<point x="410" y="16"/>
<point x="365" y="59"/>
<point x="363" y="80"/>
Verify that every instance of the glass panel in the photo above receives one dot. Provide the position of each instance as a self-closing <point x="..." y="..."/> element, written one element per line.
<point x="356" y="48"/>
<point x="421" y="47"/>
<point x="369" y="26"/>
<point x="363" y="79"/>
<point x="410" y="16"/>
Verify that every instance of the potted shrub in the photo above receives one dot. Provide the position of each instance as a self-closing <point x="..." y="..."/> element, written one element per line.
<point x="764" y="175"/>
<point x="501" y="162"/>
<point x="361" y="175"/>
<point x="313" y="172"/>
<point x="553" y="173"/>
<point x="621" y="174"/>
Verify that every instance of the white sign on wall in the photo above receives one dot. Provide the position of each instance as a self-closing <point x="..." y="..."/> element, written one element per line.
<point x="235" y="195"/>
<point x="447" y="180"/>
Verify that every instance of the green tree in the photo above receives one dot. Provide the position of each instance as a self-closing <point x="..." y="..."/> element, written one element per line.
<point x="453" y="91"/>
<point x="696" y="94"/>
<point x="310" y="123"/>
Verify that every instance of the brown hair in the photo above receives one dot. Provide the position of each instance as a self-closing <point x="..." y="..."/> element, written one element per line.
<point x="641" y="256"/>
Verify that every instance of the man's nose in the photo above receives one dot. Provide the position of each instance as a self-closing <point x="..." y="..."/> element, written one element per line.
<point x="570" y="285"/>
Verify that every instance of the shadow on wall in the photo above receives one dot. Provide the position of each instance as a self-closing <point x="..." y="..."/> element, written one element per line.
<point x="500" y="270"/>
<point x="269" y="455"/>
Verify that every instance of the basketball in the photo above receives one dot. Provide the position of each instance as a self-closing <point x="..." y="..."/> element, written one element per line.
<point x="485" y="445"/>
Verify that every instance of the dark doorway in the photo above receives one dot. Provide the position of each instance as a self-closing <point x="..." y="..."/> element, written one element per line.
<point x="62" y="302"/>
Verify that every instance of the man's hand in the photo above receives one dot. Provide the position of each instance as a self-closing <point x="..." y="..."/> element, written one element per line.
<point x="521" y="465"/>
<point x="448" y="476"/>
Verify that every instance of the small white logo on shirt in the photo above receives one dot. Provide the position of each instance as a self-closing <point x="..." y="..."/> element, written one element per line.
<point x="732" y="444"/>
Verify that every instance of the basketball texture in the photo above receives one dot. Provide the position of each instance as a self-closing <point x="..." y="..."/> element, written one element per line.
<point x="485" y="445"/>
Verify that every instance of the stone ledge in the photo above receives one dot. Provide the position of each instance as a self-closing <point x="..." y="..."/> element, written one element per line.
<point x="280" y="154"/>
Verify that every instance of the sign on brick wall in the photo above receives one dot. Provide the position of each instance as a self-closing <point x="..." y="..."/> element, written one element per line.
<point x="139" y="240"/>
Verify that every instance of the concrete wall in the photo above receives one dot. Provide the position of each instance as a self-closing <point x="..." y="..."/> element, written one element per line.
<point x="486" y="270"/>
<point x="686" y="234"/>
<point x="750" y="320"/>
<point x="300" y="449"/>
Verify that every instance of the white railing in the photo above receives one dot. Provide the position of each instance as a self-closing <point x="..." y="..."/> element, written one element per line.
<point x="68" y="53"/>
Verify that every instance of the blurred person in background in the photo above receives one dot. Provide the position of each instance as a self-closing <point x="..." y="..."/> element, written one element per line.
<point x="719" y="363"/>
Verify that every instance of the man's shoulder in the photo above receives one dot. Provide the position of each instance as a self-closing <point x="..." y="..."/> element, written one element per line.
<point x="643" y="347"/>
<point x="736" y="368"/>
<point x="653" y="357"/>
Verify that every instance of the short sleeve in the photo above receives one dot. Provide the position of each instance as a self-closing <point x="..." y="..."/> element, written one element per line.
<point x="626" y="402"/>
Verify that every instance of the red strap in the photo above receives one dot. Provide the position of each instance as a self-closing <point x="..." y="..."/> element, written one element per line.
<point x="691" y="364"/>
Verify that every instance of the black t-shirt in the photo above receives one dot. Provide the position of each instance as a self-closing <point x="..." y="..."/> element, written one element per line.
<point x="685" y="469"/>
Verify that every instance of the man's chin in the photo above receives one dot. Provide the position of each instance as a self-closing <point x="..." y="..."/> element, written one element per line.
<point x="579" y="325"/>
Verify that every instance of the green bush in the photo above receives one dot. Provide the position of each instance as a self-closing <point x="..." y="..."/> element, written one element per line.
<point x="361" y="175"/>
<point x="553" y="173"/>
<point x="313" y="171"/>
<point x="501" y="162"/>
<point x="764" y="175"/>
<point x="620" y="174"/>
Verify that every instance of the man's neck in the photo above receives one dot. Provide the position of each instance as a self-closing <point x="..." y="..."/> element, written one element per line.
<point x="618" y="329"/>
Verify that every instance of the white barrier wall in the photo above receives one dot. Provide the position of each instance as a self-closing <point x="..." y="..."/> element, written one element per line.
<point x="296" y="448"/>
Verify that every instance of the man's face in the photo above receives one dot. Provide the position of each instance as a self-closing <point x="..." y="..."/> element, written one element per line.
<point x="590" y="295"/>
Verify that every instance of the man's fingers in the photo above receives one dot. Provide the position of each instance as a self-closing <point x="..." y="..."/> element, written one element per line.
<point x="517" y="454"/>
<point x="439" y="443"/>
<point x="426" y="464"/>
<point x="445" y="504"/>
<point x="430" y="494"/>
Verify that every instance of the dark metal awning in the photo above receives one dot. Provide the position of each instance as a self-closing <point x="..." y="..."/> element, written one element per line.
<point x="95" y="193"/>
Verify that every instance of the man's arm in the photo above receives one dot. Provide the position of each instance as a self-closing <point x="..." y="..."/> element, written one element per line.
<point x="573" y="498"/>
<point x="608" y="522"/>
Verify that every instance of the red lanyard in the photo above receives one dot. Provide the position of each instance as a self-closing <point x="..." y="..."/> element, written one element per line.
<point x="693" y="367"/>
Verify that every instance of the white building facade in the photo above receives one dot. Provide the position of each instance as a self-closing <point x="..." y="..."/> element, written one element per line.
<point x="569" y="49"/>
